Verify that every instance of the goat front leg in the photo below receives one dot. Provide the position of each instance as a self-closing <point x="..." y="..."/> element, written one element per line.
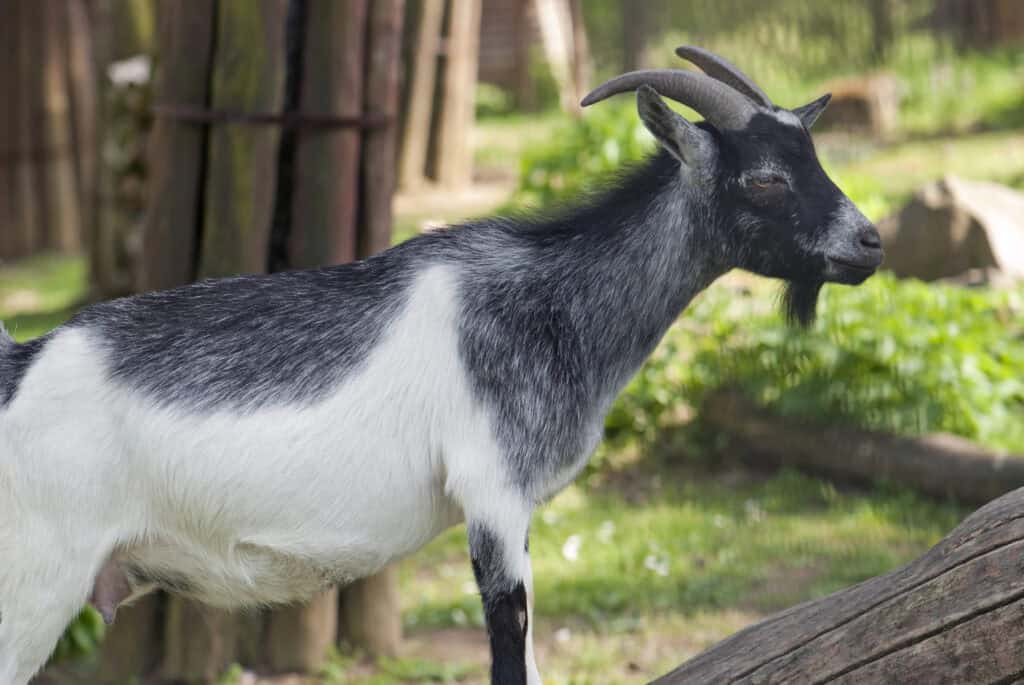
<point x="501" y="564"/>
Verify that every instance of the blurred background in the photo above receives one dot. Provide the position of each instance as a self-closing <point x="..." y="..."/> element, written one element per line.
<point x="148" y="143"/>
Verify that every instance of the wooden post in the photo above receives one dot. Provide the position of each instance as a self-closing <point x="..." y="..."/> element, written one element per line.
<point x="952" y="616"/>
<point x="176" y="150"/>
<point x="241" y="174"/>
<point x="27" y="141"/>
<point x="8" y="213"/>
<point x="370" y="610"/>
<point x="326" y="189"/>
<point x="62" y="228"/>
<point x="238" y="191"/>
<point x="454" y="149"/>
<point x="298" y="638"/>
<point x="370" y="615"/>
<point x="380" y="145"/>
<point x="422" y="67"/>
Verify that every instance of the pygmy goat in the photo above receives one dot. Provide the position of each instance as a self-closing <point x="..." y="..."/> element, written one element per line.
<point x="251" y="440"/>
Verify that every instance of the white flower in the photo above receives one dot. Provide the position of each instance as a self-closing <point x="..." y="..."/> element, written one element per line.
<point x="606" y="531"/>
<point x="571" y="548"/>
<point x="657" y="564"/>
<point x="563" y="635"/>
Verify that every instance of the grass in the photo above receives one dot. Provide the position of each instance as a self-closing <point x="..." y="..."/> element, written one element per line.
<point x="40" y="292"/>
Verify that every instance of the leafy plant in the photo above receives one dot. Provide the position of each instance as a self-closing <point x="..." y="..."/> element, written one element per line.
<point x="901" y="356"/>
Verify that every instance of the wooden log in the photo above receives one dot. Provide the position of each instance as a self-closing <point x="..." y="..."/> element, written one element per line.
<point x="370" y="616"/>
<point x="453" y="163"/>
<point x="82" y="83"/>
<point x="200" y="642"/>
<point x="952" y="616"/>
<point x="326" y="190"/>
<point x="176" y="150"/>
<point x="940" y="465"/>
<point x="380" y="145"/>
<point x="241" y="164"/>
<point x="132" y="646"/>
<point x="27" y="142"/>
<point x="298" y="638"/>
<point x="422" y="68"/>
<point x="58" y="174"/>
<point x="8" y="188"/>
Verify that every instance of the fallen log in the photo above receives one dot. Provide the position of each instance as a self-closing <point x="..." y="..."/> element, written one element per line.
<point x="956" y="615"/>
<point x="940" y="464"/>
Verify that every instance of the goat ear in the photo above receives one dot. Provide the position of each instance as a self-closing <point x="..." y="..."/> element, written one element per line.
<point x="810" y="112"/>
<point x="683" y="140"/>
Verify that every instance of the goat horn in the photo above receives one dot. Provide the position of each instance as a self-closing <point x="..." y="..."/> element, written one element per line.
<point x="724" y="107"/>
<point x="724" y="71"/>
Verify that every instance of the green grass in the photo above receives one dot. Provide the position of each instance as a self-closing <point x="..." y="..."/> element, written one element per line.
<point x="684" y="541"/>
<point x="40" y="292"/>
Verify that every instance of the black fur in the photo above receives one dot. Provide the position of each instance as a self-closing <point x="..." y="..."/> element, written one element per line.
<point x="505" y="608"/>
<point x="250" y="341"/>
<point x="15" y="361"/>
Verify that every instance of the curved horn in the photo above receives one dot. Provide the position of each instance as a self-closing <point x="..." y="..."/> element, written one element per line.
<point x="724" y="107"/>
<point x="724" y="71"/>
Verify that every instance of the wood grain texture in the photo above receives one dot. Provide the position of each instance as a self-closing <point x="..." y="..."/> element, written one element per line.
<point x="955" y="615"/>
<point x="241" y="163"/>
<point x="326" y="174"/>
<point x="177" y="150"/>
<point x="454" y="149"/>
<point x="380" y="145"/>
<point x="940" y="465"/>
<point x="419" y="108"/>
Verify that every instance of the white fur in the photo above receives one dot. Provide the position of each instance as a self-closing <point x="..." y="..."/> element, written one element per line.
<point x="259" y="508"/>
<point x="784" y="116"/>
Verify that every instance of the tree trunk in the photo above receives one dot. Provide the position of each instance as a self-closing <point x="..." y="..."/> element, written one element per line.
<point x="939" y="465"/>
<point x="177" y="149"/>
<point x="952" y="616"/>
<point x="422" y="67"/>
<point x="454" y="149"/>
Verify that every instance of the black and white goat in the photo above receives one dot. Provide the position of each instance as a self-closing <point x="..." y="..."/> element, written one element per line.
<point x="248" y="441"/>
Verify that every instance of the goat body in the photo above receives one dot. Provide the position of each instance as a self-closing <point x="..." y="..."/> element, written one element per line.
<point x="252" y="440"/>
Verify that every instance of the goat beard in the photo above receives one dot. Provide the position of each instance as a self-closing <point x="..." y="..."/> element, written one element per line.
<point x="800" y="302"/>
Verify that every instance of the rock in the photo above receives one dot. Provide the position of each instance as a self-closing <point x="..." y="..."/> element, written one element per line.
<point x="863" y="104"/>
<point x="954" y="226"/>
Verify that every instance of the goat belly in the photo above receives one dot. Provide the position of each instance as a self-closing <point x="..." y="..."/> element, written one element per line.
<point x="257" y="506"/>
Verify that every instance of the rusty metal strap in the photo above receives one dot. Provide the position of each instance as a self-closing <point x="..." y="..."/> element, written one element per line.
<point x="296" y="120"/>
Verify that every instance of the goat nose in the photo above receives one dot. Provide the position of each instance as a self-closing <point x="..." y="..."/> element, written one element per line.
<point x="869" y="238"/>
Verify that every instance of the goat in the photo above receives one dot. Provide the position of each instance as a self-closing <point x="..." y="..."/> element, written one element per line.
<point x="251" y="440"/>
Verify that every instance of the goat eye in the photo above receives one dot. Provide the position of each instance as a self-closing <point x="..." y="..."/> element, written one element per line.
<point x="772" y="183"/>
